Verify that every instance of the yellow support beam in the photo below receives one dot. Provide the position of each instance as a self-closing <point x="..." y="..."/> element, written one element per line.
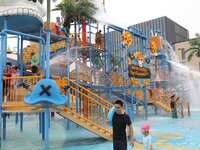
<point x="163" y="106"/>
<point x="20" y="107"/>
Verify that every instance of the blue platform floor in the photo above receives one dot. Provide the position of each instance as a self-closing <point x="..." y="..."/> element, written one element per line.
<point x="168" y="134"/>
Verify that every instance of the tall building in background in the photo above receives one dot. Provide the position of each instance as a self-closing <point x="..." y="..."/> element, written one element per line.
<point x="169" y="29"/>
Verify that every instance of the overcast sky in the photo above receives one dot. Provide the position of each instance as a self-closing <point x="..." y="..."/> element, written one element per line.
<point x="184" y="12"/>
<point x="129" y="12"/>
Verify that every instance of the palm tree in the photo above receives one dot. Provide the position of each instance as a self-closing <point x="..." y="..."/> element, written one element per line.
<point x="194" y="49"/>
<point x="75" y="11"/>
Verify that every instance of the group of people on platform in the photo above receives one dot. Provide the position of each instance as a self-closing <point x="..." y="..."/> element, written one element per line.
<point x="98" y="40"/>
<point x="10" y="72"/>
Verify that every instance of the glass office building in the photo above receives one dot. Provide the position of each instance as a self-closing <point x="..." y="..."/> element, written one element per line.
<point x="169" y="29"/>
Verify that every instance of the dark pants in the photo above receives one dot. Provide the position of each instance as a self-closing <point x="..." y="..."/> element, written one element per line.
<point x="174" y="113"/>
<point x="119" y="145"/>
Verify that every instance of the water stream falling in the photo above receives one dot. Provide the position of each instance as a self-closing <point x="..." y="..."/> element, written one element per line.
<point x="184" y="81"/>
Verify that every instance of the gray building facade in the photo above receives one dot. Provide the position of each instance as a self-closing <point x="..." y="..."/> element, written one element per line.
<point x="169" y="29"/>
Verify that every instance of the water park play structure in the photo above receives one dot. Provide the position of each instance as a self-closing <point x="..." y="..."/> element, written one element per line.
<point x="89" y="75"/>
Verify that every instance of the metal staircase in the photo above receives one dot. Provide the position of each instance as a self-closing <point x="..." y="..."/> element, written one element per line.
<point x="85" y="108"/>
<point x="163" y="106"/>
<point x="85" y="122"/>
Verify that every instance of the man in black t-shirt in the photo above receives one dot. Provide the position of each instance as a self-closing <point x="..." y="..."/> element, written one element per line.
<point x="120" y="121"/>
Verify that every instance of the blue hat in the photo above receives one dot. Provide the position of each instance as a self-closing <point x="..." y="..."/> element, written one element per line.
<point x="46" y="92"/>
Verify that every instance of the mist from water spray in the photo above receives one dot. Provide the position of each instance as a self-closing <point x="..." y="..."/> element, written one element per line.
<point x="186" y="82"/>
<point x="103" y="16"/>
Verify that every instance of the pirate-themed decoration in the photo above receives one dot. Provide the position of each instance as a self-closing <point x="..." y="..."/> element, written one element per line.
<point x="126" y="38"/>
<point x="138" y="74"/>
<point x="46" y="92"/>
<point x="138" y="56"/>
<point x="147" y="60"/>
<point x="154" y="44"/>
<point x="35" y="60"/>
<point x="136" y="71"/>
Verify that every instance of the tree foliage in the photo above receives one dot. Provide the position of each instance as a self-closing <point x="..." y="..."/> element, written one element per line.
<point x="194" y="49"/>
<point x="75" y="10"/>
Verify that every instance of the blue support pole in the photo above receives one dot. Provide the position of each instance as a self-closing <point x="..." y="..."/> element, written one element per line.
<point x="68" y="76"/>
<point x="104" y="51"/>
<point x="1" y="87"/>
<point x="122" y="69"/>
<point x="21" y="121"/>
<point x="16" y="118"/>
<point x="40" y="122"/>
<point x="2" y="63"/>
<point x="126" y="105"/>
<point x="3" y="47"/>
<point x="143" y="45"/>
<point x="76" y="92"/>
<point x="5" y="42"/>
<point x="18" y="50"/>
<point x="47" y="73"/>
<point x="68" y="66"/>
<point x="21" y="73"/>
<point x="145" y="103"/>
<point x="4" y="126"/>
<point x="124" y="93"/>
<point x="108" y="53"/>
<point x="41" y="57"/>
<point x="41" y="53"/>
<point x="68" y="90"/>
<point x="21" y="57"/>
<point x="23" y="34"/>
<point x="132" y="100"/>
<point x="47" y="118"/>
<point x="43" y="128"/>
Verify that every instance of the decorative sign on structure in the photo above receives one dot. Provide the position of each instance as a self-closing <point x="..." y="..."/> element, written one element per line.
<point x="138" y="73"/>
<point x="154" y="44"/>
<point x="35" y="60"/>
<point x="127" y="39"/>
